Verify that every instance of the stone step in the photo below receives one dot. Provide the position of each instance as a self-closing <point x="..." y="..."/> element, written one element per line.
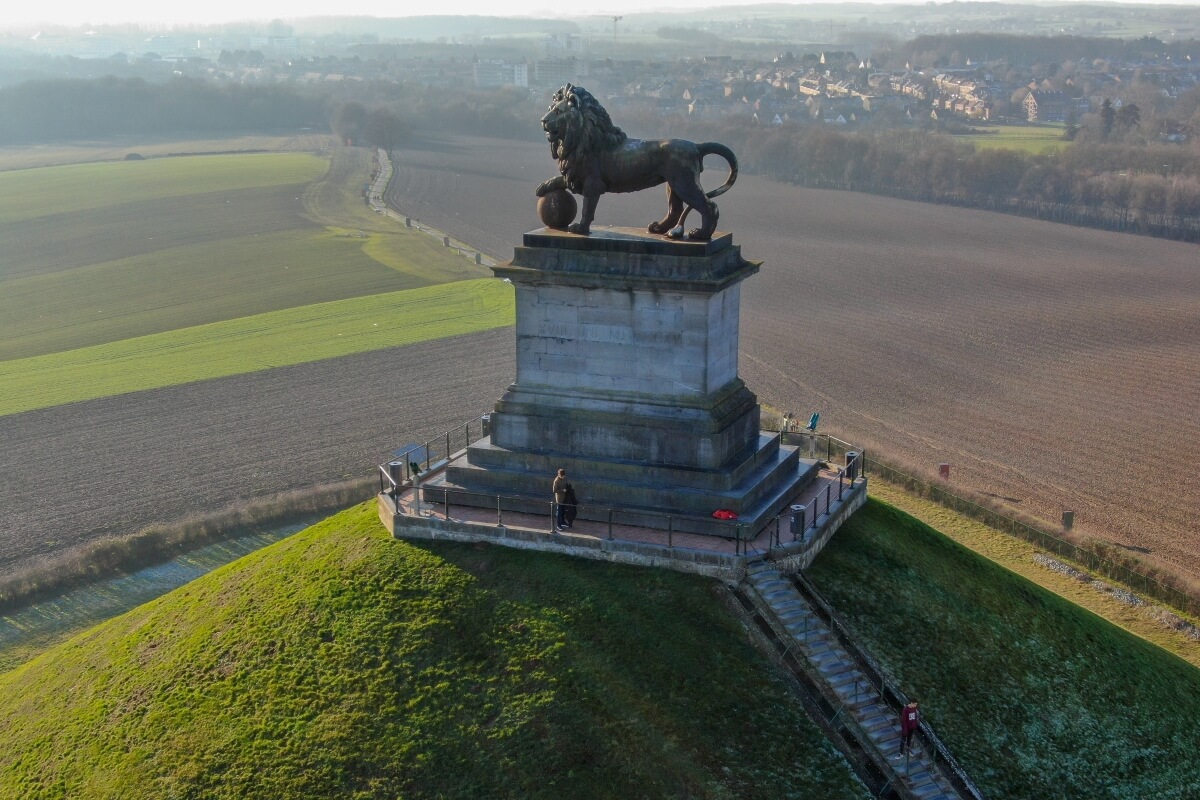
<point x="797" y="610"/>
<point x="930" y="791"/>
<point x="778" y="595"/>
<point x="880" y="724"/>
<point x="806" y="638"/>
<point x="816" y="648"/>
<point x="832" y="663"/>
<point x="806" y="625"/>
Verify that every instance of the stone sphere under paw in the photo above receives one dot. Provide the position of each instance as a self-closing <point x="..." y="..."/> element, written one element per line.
<point x="557" y="209"/>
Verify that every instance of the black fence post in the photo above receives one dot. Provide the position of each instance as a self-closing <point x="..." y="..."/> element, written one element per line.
<point x="670" y="531"/>
<point x="499" y="513"/>
<point x="447" y="505"/>
<point x="610" y="524"/>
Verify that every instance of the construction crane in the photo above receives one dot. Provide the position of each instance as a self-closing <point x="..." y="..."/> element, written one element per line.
<point x="615" y="21"/>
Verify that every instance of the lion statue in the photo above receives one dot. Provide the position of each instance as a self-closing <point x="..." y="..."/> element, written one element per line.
<point x="594" y="156"/>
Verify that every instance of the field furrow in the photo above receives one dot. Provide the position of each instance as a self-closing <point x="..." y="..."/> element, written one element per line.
<point x="1055" y="367"/>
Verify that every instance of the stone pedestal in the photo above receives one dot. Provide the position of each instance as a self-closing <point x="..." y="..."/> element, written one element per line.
<point x="627" y="350"/>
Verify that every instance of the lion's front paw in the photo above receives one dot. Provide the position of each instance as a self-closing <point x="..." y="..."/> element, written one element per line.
<point x="543" y="188"/>
<point x="655" y="227"/>
<point x="698" y="235"/>
<point x="579" y="228"/>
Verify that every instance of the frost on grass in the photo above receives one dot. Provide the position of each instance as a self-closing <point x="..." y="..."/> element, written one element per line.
<point x="1160" y="615"/>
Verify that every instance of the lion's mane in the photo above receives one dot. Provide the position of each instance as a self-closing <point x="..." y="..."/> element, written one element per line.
<point x="589" y="130"/>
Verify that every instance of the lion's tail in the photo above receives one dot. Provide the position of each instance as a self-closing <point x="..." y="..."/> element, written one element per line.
<point x="718" y="149"/>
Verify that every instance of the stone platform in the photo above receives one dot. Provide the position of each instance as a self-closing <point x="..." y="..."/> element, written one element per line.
<point x="627" y="348"/>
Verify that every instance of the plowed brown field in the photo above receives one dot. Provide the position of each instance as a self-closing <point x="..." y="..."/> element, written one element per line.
<point x="1054" y="367"/>
<point x="73" y="473"/>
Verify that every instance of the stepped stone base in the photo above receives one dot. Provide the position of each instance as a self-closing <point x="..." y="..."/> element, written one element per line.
<point x="627" y="377"/>
<point x="757" y="486"/>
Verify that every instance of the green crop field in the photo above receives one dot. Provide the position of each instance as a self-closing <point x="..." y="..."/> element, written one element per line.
<point x="250" y="344"/>
<point x="27" y="194"/>
<point x="1027" y="139"/>
<point x="343" y="663"/>
<point x="1035" y="696"/>
<point x="109" y="254"/>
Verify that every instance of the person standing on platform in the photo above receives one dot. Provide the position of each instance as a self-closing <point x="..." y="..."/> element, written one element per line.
<point x="560" y="500"/>
<point x="572" y="506"/>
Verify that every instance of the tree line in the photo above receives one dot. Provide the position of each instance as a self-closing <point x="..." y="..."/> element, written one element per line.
<point x="952" y="49"/>
<point x="1136" y="187"/>
<point x="61" y="110"/>
<point x="1153" y="189"/>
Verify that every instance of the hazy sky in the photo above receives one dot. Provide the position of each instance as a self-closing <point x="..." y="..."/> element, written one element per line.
<point x="78" y="12"/>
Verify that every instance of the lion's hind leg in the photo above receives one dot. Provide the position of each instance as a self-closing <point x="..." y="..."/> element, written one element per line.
<point x="694" y="196"/>
<point x="674" y="212"/>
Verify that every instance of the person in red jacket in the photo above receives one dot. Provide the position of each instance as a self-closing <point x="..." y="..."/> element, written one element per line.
<point x="910" y="720"/>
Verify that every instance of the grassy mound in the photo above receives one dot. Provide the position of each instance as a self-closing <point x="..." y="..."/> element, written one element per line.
<point x="1037" y="697"/>
<point x="341" y="663"/>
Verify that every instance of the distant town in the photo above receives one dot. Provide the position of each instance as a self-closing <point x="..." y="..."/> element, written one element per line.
<point x="1021" y="64"/>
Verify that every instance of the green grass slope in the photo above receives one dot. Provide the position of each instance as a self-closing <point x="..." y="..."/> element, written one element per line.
<point x="27" y="194"/>
<point x="104" y="252"/>
<point x="1037" y="697"/>
<point x="263" y="341"/>
<point x="341" y="663"/>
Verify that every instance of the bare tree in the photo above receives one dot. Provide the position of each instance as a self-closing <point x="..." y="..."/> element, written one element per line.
<point x="385" y="129"/>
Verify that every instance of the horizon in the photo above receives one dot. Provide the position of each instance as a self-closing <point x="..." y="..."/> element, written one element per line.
<point x="76" y="13"/>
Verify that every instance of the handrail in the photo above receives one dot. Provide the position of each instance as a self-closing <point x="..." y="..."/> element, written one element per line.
<point x="668" y="523"/>
<point x="741" y="534"/>
<point x="882" y="683"/>
<point x="833" y="712"/>
<point x="1041" y="536"/>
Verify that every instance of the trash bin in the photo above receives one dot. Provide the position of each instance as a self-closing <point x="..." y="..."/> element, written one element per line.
<point x="396" y="472"/>
<point x="798" y="521"/>
<point x="852" y="464"/>
<point x="486" y="419"/>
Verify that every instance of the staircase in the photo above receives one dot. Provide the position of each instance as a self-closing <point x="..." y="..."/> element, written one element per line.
<point x="848" y="684"/>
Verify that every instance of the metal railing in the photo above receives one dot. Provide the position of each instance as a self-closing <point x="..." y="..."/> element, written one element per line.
<point x="401" y="463"/>
<point x="1122" y="573"/>
<point x="397" y="475"/>
<point x="807" y="518"/>
<point x="885" y="686"/>
<point x="837" y="717"/>
<point x="607" y="518"/>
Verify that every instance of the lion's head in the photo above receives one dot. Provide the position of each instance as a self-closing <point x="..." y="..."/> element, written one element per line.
<point x="577" y="126"/>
